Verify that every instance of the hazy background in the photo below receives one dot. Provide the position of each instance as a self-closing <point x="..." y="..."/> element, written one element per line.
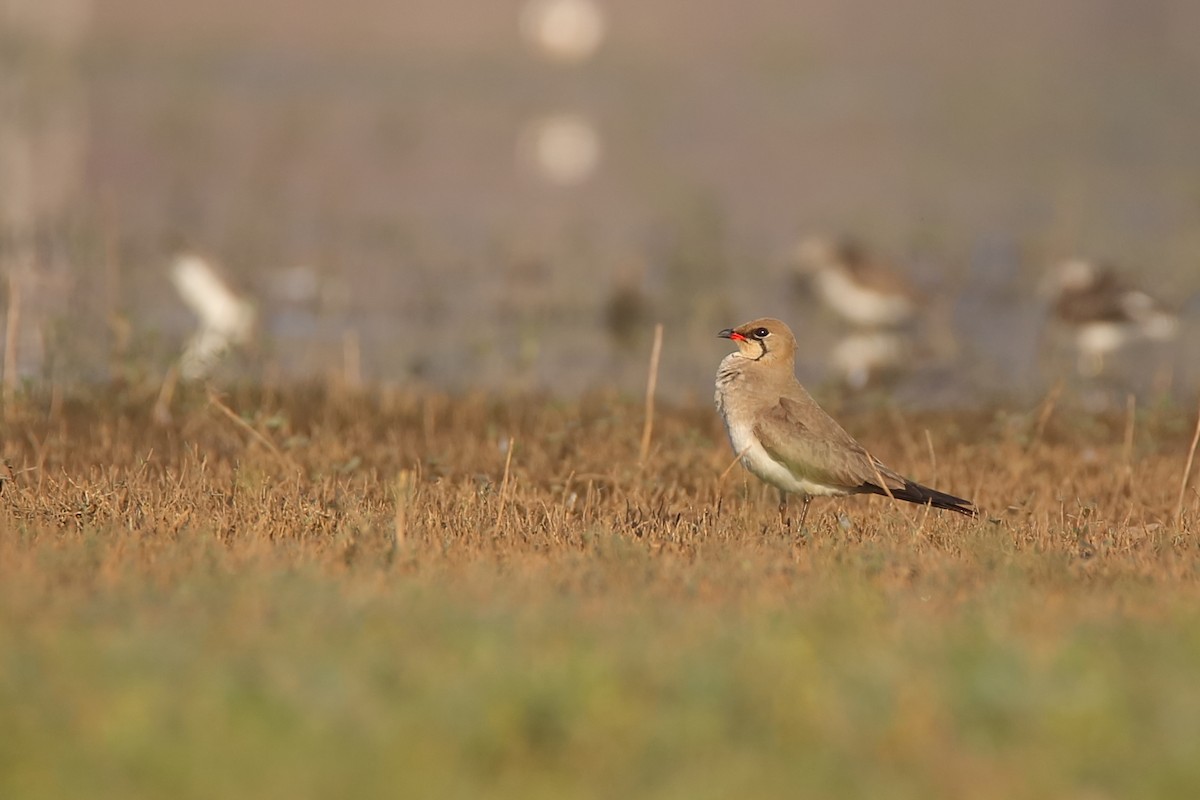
<point x="355" y="168"/>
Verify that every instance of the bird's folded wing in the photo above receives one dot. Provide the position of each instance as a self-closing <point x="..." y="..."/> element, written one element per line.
<point x="1104" y="302"/>
<point x="812" y="446"/>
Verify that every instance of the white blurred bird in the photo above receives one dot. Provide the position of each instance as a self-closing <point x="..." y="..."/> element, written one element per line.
<point x="225" y="318"/>
<point x="863" y="290"/>
<point x="863" y="356"/>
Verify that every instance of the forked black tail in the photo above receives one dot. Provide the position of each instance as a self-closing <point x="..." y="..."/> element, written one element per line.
<point x="922" y="495"/>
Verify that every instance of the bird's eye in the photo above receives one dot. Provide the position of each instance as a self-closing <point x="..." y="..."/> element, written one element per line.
<point x="761" y="333"/>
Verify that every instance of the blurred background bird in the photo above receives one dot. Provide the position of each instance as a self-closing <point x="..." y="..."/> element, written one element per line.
<point x="225" y="319"/>
<point x="848" y="279"/>
<point x="871" y="296"/>
<point x="1104" y="312"/>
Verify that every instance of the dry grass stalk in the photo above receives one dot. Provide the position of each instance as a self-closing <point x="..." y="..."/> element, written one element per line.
<point x="1047" y="411"/>
<point x="1127" y="441"/>
<point x="651" y="388"/>
<point x="504" y="483"/>
<point x="215" y="401"/>
<point x="882" y="483"/>
<point x="12" y="332"/>
<point x="1187" y="471"/>
<point x="166" y="393"/>
<point x="351" y="359"/>
<point x="404" y="493"/>
<point x="725" y="472"/>
<point x="933" y="465"/>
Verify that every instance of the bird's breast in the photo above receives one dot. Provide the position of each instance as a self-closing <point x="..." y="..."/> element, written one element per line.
<point x="728" y="375"/>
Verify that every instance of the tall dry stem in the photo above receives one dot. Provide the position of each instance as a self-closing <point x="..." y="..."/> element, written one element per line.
<point x="404" y="491"/>
<point x="504" y="483"/>
<point x="651" y="388"/>
<point x="12" y="329"/>
<point x="1187" y="471"/>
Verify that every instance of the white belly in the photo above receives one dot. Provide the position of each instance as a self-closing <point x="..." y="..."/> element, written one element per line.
<point x="755" y="458"/>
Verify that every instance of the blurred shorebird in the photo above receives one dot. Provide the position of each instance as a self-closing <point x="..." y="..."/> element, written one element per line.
<point x="1105" y="312"/>
<point x="863" y="356"/>
<point x="627" y="307"/>
<point x="782" y="436"/>
<point x="225" y="319"/>
<point x="863" y="290"/>
<point x="873" y="297"/>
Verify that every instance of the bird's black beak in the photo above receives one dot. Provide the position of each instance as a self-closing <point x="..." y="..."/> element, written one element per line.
<point x="730" y="333"/>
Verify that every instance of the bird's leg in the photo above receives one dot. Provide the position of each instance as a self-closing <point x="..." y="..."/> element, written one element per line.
<point x="804" y="512"/>
<point x="783" y="519"/>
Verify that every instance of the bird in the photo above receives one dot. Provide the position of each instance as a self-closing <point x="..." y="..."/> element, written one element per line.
<point x="627" y="307"/>
<point x="863" y="356"/>
<point x="226" y="319"/>
<point x="863" y="290"/>
<point x="783" y="437"/>
<point x="1105" y="312"/>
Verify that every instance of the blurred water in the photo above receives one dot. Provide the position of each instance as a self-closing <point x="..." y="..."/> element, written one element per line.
<point x="371" y="153"/>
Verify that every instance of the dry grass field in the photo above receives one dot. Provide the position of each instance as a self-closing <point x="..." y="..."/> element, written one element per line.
<point x="317" y="593"/>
